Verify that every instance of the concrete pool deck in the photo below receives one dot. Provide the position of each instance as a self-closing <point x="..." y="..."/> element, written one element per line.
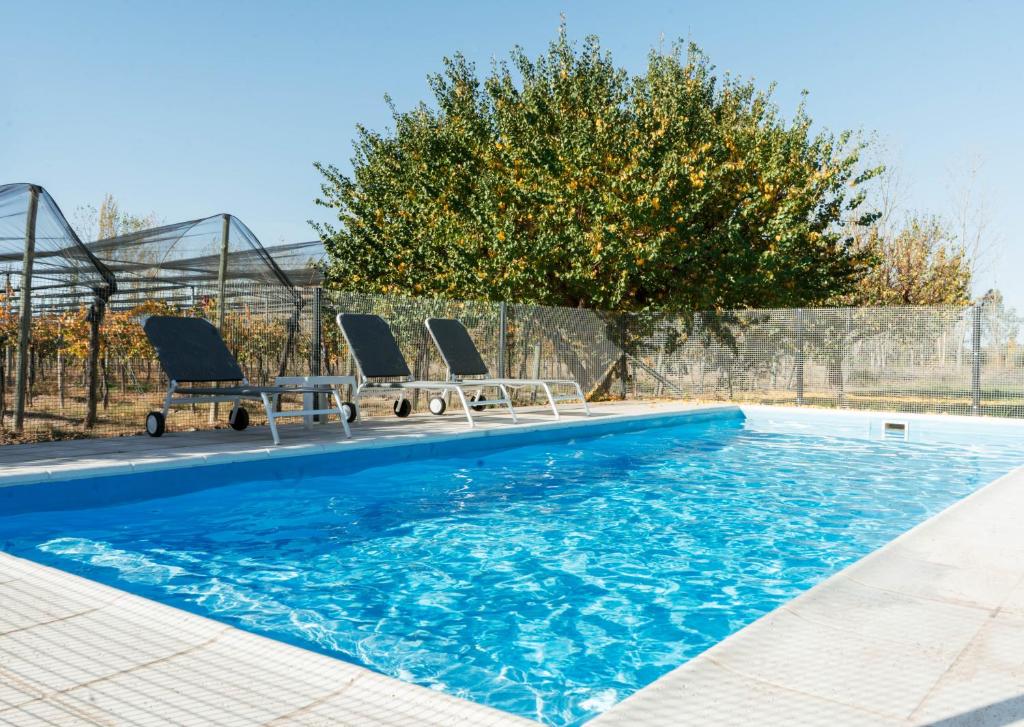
<point x="928" y="629"/>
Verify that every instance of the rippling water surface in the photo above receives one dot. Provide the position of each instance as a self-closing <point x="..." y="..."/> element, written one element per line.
<point x="549" y="580"/>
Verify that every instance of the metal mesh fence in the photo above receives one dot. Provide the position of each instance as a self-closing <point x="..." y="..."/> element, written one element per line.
<point x="959" y="360"/>
<point x="904" y="359"/>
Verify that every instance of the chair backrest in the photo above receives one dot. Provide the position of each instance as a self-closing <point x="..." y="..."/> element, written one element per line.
<point x="372" y="345"/>
<point x="453" y="341"/>
<point x="191" y="349"/>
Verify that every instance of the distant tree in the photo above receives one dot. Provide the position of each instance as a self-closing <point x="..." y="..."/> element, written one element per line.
<point x="108" y="220"/>
<point x="921" y="263"/>
<point x="566" y="181"/>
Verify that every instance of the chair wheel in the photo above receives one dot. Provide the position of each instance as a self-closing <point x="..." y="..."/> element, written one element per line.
<point x="476" y="407"/>
<point x="240" y="420"/>
<point x="155" y="423"/>
<point x="403" y="408"/>
<point x="437" y="405"/>
<point x="350" y="411"/>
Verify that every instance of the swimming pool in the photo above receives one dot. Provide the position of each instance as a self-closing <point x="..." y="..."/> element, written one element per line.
<point x="550" y="578"/>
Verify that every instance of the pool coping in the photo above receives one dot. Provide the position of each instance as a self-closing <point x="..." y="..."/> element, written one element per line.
<point x="973" y="567"/>
<point x="362" y="440"/>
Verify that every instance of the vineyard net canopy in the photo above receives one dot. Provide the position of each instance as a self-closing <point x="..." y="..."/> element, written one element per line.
<point x="175" y="263"/>
<point x="302" y="262"/>
<point x="63" y="269"/>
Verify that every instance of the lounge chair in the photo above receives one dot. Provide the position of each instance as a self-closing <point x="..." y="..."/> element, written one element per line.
<point x="466" y="366"/>
<point x="191" y="350"/>
<point x="383" y="369"/>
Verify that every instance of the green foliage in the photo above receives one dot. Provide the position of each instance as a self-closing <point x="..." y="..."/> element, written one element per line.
<point x="565" y="181"/>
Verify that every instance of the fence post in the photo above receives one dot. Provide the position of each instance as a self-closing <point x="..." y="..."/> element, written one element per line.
<point x="25" y="320"/>
<point x="623" y="361"/>
<point x="535" y="372"/>
<point x="698" y="335"/>
<point x="976" y="359"/>
<point x="222" y="278"/>
<point x="502" y="337"/>
<point x="315" y="344"/>
<point x="841" y="364"/>
<point x="799" y="356"/>
<point x="315" y="335"/>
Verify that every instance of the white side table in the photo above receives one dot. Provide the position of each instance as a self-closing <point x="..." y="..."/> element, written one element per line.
<point x="326" y="383"/>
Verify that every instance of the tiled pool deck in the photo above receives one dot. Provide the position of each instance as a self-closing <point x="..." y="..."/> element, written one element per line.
<point x="929" y="629"/>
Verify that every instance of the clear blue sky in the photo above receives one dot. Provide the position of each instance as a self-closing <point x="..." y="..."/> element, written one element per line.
<point x="190" y="108"/>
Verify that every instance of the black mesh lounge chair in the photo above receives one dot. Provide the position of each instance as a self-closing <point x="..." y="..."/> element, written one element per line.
<point x="191" y="350"/>
<point x="378" y="357"/>
<point x="466" y="366"/>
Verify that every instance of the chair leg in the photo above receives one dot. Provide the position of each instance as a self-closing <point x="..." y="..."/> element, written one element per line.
<point x="465" y="406"/>
<point x="508" y="402"/>
<point x="169" y="398"/>
<point x="583" y="399"/>
<point x="341" y="412"/>
<point x="271" y="419"/>
<point x="551" y="399"/>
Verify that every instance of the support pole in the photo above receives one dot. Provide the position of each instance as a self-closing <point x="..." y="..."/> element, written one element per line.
<point x="315" y="335"/>
<point x="92" y="367"/>
<point x="222" y="279"/>
<point x="25" y="301"/>
<point x="502" y="337"/>
<point x="315" y="345"/>
<point x="222" y="273"/>
<point x="844" y="354"/>
<point x="976" y="360"/>
<point x="799" y="356"/>
<point x="623" y="361"/>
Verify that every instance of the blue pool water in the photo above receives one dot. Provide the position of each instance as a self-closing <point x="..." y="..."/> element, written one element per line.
<point x="549" y="579"/>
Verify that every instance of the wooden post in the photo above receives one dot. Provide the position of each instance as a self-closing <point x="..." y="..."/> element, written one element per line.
<point x="60" y="377"/>
<point x="25" y="321"/>
<point x="222" y="279"/>
<point x="222" y="272"/>
<point x="92" y="364"/>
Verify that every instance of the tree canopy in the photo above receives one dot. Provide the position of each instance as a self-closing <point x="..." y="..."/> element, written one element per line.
<point x="564" y="180"/>
<point x="921" y="263"/>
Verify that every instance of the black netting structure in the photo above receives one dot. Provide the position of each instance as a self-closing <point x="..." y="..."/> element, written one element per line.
<point x="214" y="267"/>
<point x="62" y="267"/>
<point x="46" y="267"/>
<point x="302" y="262"/>
<point x="171" y="262"/>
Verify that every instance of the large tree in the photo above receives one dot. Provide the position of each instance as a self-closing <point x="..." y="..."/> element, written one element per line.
<point x="565" y="180"/>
